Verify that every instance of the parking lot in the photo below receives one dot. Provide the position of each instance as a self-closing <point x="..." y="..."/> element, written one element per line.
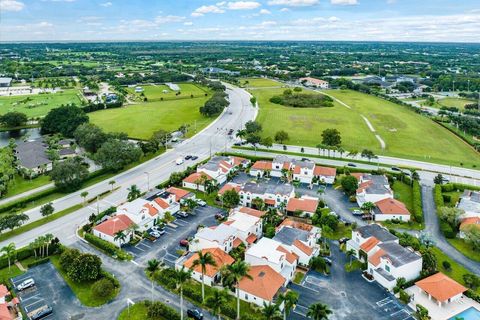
<point x="50" y="289"/>
<point x="348" y="295"/>
<point x="165" y="248"/>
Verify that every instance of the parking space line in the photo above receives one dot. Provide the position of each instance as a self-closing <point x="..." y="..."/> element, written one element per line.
<point x="136" y="247"/>
<point x="135" y="263"/>
<point x="383" y="302"/>
<point x="305" y="309"/>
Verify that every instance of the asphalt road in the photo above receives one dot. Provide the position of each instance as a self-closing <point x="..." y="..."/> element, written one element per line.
<point x="212" y="139"/>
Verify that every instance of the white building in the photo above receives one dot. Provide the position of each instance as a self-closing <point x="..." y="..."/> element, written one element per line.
<point x="272" y="253"/>
<point x="306" y="205"/>
<point x="300" y="242"/>
<point x="273" y="195"/>
<point x="249" y="227"/>
<point x="141" y="212"/>
<point x="373" y="188"/>
<point x="313" y="82"/>
<point x="470" y="203"/>
<point x="108" y="229"/>
<point x="221" y="236"/>
<point x="325" y="174"/>
<point x="196" y="181"/>
<point x="390" y="209"/>
<point x="303" y="171"/>
<point x="260" y="168"/>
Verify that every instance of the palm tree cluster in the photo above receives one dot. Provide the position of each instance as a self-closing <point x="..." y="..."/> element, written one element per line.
<point x="41" y="244"/>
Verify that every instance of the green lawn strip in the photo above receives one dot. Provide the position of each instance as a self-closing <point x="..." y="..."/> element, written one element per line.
<point x="403" y="193"/>
<point x="140" y="121"/>
<point x="38" y="223"/>
<point x="156" y="92"/>
<point x="342" y="231"/>
<point x="465" y="248"/>
<point x="83" y="291"/>
<point x="466" y="137"/>
<point x="209" y="198"/>
<point x="138" y="311"/>
<point x="298" y="277"/>
<point x="259" y="83"/>
<point x="26" y="126"/>
<point x="454" y="102"/>
<point x="403" y="225"/>
<point x="355" y="265"/>
<point x="456" y="270"/>
<point x="21" y="185"/>
<point x="6" y="274"/>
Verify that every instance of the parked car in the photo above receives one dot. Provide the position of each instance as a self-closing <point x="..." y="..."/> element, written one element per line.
<point x="40" y="313"/>
<point x="357" y="212"/>
<point x="305" y="159"/>
<point x="183" y="243"/>
<point x="182" y="214"/>
<point x="188" y="157"/>
<point x="343" y="240"/>
<point x="230" y="132"/>
<point x="155" y="234"/>
<point x="194" y="158"/>
<point x="179" y="161"/>
<point x="396" y="169"/>
<point x="333" y="213"/>
<point x="220" y="216"/>
<point x="194" y="314"/>
<point x="27" y="283"/>
<point x="201" y="203"/>
<point x="160" y="229"/>
<point x="351" y="164"/>
<point x="328" y="261"/>
<point x="238" y="144"/>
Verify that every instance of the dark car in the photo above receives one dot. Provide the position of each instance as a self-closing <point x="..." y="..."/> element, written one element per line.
<point x="188" y="157"/>
<point x="230" y="132"/>
<point x="343" y="240"/>
<point x="396" y="169"/>
<point x="195" y="314"/>
<point x="220" y="216"/>
<point x="351" y="164"/>
<point x="238" y="144"/>
<point x="194" y="158"/>
<point x="41" y="313"/>
<point x="183" y="243"/>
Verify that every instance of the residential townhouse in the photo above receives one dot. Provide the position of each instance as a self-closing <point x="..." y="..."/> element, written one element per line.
<point x="365" y="238"/>
<point x="196" y="181"/>
<point x="300" y="242"/>
<point x="280" y="165"/>
<point x="306" y="205"/>
<point x="221" y="236"/>
<point x="142" y="212"/>
<point x="388" y="209"/>
<point x="470" y="203"/>
<point x="262" y="287"/>
<point x="166" y="202"/>
<point x="249" y="227"/>
<point x="261" y="169"/>
<point x="274" y="254"/>
<point x="273" y="195"/>
<point x="373" y="188"/>
<point x="303" y="171"/>
<point x="108" y="229"/>
<point x="325" y="174"/>
<point x="180" y="194"/>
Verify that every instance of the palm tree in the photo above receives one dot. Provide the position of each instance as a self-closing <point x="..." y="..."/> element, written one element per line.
<point x="271" y="311"/>
<point x="41" y="243"/>
<point x="320" y="147"/>
<point x="48" y="239"/>
<point x="368" y="207"/>
<point x="289" y="299"/>
<point x="241" y="134"/>
<point x="217" y="300"/>
<point x="318" y="311"/>
<point x="234" y="273"/>
<point x="181" y="277"/>
<point x="204" y="260"/>
<point x="9" y="250"/>
<point x="33" y="246"/>
<point x="111" y="183"/>
<point x="341" y="151"/>
<point x="120" y="236"/>
<point x="152" y="265"/>
<point x="350" y="253"/>
<point x="133" y="193"/>
<point x="84" y="195"/>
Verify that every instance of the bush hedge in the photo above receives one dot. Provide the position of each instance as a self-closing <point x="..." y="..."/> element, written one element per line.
<point x="437" y="196"/>
<point x="158" y="309"/>
<point x="38" y="262"/>
<point x="417" y="202"/>
<point x="107" y="247"/>
<point x="22" y="202"/>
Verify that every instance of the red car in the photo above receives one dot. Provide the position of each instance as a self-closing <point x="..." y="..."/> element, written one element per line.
<point x="184" y="243"/>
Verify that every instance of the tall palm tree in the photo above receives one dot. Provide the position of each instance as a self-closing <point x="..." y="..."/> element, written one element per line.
<point x="120" y="236"/>
<point x="84" y="195"/>
<point x="181" y="277"/>
<point x="234" y="273"/>
<point x="48" y="240"/>
<point x="218" y="299"/>
<point x="9" y="250"/>
<point x="271" y="311"/>
<point x="111" y="183"/>
<point x="41" y="243"/>
<point x="133" y="192"/>
<point x="289" y="299"/>
<point x="152" y="265"/>
<point x="350" y="253"/>
<point x="204" y="260"/>
<point x="319" y="311"/>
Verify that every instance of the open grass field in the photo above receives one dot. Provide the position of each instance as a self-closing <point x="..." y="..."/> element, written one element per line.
<point x="21" y="185"/>
<point x="141" y="120"/>
<point x="454" y="102"/>
<point x="38" y="105"/>
<point x="259" y="83"/>
<point x="157" y="92"/>
<point x="406" y="134"/>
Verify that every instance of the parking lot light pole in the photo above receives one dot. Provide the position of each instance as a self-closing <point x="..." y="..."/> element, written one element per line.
<point x="148" y="180"/>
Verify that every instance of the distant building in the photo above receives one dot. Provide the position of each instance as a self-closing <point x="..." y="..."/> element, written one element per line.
<point x="470" y="203"/>
<point x="313" y="82"/>
<point x="5" y="82"/>
<point x="32" y="155"/>
<point x="214" y="70"/>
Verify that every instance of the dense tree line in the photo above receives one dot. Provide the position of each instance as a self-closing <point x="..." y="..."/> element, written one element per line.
<point x="217" y="102"/>
<point x="302" y="100"/>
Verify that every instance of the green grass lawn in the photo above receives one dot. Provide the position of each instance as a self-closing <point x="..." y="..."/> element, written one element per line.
<point x="403" y="193"/>
<point x="156" y="92"/>
<point x="259" y="83"/>
<point x="406" y="134"/>
<point x="20" y="185"/>
<point x="136" y="312"/>
<point x="40" y="104"/>
<point x="453" y="102"/>
<point x="83" y="291"/>
<point x="356" y="265"/>
<point x="142" y="120"/>
<point x="465" y="248"/>
<point x="6" y="274"/>
<point x="298" y="277"/>
<point x="341" y="232"/>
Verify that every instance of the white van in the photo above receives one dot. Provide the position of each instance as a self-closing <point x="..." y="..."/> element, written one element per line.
<point x="179" y="161"/>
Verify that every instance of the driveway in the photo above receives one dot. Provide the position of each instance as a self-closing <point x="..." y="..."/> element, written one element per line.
<point x="338" y="202"/>
<point x="348" y="295"/>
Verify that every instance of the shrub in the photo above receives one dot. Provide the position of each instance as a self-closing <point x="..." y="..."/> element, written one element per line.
<point x="166" y="278"/>
<point x="447" y="198"/>
<point x="447" y="230"/>
<point x="437" y="194"/>
<point x="192" y="294"/>
<point x="446" y="265"/>
<point x="103" y="288"/>
<point x="228" y="311"/>
<point x="404" y="297"/>
<point x="158" y="310"/>
<point x="417" y="202"/>
<point x="107" y="247"/>
<point x="38" y="262"/>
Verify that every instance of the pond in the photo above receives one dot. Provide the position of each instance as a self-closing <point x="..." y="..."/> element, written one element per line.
<point x="18" y="135"/>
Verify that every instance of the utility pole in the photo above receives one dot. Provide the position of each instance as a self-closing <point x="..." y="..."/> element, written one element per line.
<point x="148" y="180"/>
<point x="98" y="205"/>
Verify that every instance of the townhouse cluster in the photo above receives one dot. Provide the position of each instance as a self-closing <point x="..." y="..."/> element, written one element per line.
<point x="386" y="259"/>
<point x="469" y="202"/>
<point x="140" y="214"/>
<point x="272" y="262"/>
<point x="376" y="189"/>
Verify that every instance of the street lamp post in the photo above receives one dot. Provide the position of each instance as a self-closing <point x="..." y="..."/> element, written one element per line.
<point x="148" y="180"/>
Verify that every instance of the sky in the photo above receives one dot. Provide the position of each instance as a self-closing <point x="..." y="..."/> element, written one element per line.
<point x="359" y="20"/>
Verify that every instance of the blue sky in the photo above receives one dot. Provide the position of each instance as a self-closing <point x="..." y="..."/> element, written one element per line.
<point x="389" y="20"/>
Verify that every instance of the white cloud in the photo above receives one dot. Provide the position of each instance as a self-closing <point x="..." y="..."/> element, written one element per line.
<point x="264" y="11"/>
<point x="293" y="3"/>
<point x="344" y="2"/>
<point x="268" y="23"/>
<point x="284" y="10"/>
<point x="206" y="9"/>
<point x="243" y="5"/>
<point x="11" y="5"/>
<point x="188" y="23"/>
<point x="106" y="4"/>
<point x="169" y="19"/>
<point x="333" y="19"/>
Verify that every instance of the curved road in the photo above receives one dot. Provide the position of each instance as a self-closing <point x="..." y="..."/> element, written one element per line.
<point x="210" y="140"/>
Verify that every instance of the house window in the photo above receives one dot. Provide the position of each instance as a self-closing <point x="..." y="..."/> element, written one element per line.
<point x="387" y="268"/>
<point x="246" y="296"/>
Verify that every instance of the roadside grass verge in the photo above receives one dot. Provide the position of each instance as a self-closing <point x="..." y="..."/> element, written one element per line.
<point x="465" y="248"/>
<point x="21" y="185"/>
<point x="138" y="311"/>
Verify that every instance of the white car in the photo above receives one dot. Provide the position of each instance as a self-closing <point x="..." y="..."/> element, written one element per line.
<point x="26" y="284"/>
<point x="179" y="161"/>
<point x="201" y="203"/>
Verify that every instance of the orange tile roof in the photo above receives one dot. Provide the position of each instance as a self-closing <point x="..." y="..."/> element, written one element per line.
<point x="297" y="170"/>
<point x="179" y="193"/>
<point x="324" y="171"/>
<point x="229" y="186"/>
<point x="237" y="242"/>
<point x="375" y="258"/>
<point x="467" y="222"/>
<point x="221" y="259"/>
<point x="391" y="206"/>
<point x="270" y="201"/>
<point x="152" y="211"/>
<point x="115" y="224"/>
<point x="196" y="176"/>
<point x="295" y="224"/>
<point x="238" y="161"/>
<point x="357" y="175"/>
<point x="286" y="165"/>
<point x="264" y="284"/>
<point x="5" y="313"/>
<point x="303" y="247"/>
<point x="251" y="238"/>
<point x="252" y="212"/>
<point x="369" y="244"/>
<point x="302" y="204"/>
<point x="290" y="256"/>
<point x="3" y="291"/>
<point x="440" y="287"/>
<point x="363" y="186"/>
<point x="262" y="165"/>
<point x="162" y="203"/>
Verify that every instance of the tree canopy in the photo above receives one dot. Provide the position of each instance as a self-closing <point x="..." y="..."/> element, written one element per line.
<point x="64" y="120"/>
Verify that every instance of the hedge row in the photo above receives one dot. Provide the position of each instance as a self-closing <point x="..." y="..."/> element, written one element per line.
<point x="38" y="262"/>
<point x="457" y="186"/>
<point x="417" y="202"/>
<point x="437" y="196"/>
<point x="167" y="312"/>
<point x="23" y="202"/>
<point x="107" y="247"/>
